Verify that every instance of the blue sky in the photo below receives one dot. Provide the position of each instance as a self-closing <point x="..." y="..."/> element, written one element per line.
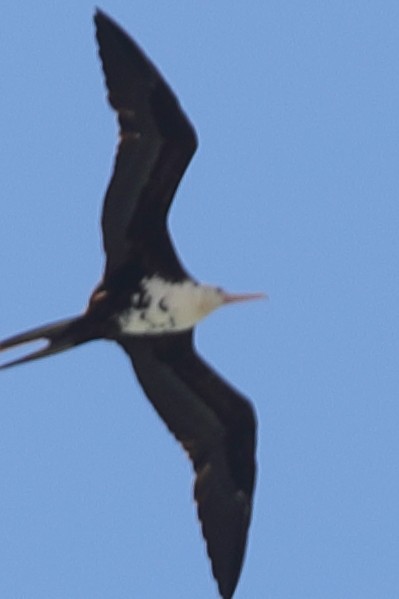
<point x="294" y="191"/>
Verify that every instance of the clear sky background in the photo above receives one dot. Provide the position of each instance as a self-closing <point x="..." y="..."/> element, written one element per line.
<point x="294" y="191"/>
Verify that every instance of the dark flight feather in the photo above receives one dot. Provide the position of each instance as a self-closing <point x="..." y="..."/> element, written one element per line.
<point x="216" y="426"/>
<point x="157" y="142"/>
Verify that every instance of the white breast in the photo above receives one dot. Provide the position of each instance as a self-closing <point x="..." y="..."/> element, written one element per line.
<point x="166" y="307"/>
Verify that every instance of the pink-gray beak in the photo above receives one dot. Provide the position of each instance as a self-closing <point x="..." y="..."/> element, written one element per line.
<point x="229" y="298"/>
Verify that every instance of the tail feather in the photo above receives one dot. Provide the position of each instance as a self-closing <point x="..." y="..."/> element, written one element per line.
<point x="60" y="336"/>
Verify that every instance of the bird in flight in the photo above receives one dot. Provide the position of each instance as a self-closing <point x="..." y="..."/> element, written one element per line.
<point x="149" y="304"/>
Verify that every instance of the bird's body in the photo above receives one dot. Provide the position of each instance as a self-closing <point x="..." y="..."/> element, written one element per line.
<point x="148" y="304"/>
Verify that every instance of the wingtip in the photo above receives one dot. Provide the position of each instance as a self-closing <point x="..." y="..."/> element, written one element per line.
<point x="100" y="17"/>
<point x="98" y="13"/>
<point x="227" y="566"/>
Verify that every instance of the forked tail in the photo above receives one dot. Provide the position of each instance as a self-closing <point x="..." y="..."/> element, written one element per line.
<point x="60" y="336"/>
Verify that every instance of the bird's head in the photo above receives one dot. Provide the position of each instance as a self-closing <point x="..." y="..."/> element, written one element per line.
<point x="210" y="298"/>
<point x="181" y="305"/>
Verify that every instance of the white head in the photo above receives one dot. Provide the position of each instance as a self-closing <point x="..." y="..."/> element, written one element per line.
<point x="211" y="298"/>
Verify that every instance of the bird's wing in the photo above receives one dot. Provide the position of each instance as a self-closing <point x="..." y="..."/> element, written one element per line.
<point x="217" y="428"/>
<point x="156" y="144"/>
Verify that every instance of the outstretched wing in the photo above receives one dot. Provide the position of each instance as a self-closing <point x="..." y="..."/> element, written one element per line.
<point x="156" y="144"/>
<point x="217" y="428"/>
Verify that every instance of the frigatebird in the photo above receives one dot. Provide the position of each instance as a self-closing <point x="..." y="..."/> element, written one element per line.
<point x="148" y="304"/>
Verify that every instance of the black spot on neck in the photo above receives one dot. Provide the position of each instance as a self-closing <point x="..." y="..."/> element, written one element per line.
<point x="142" y="301"/>
<point x="162" y="305"/>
